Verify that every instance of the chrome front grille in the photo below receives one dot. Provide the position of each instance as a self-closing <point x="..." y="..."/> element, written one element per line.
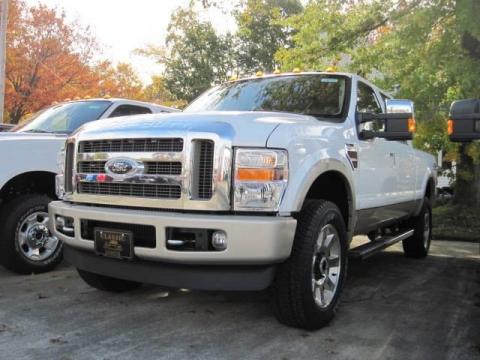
<point x="179" y="172"/>
<point x="132" y="145"/>
<point x="155" y="191"/>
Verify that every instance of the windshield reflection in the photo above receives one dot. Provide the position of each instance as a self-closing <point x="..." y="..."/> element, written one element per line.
<point x="64" y="118"/>
<point x="314" y="94"/>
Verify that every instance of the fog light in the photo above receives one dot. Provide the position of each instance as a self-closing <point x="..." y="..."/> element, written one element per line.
<point x="219" y="240"/>
<point x="64" y="225"/>
<point x="59" y="222"/>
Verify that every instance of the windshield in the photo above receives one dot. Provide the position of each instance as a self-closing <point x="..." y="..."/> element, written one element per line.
<point x="319" y="95"/>
<point x="64" y="118"/>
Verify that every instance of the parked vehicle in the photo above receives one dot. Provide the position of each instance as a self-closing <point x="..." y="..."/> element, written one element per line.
<point x="27" y="177"/>
<point x="260" y="182"/>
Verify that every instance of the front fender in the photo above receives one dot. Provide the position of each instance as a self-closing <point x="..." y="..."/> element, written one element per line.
<point x="300" y="183"/>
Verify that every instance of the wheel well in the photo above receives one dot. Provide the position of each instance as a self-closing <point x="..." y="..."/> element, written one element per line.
<point x="42" y="182"/>
<point x="333" y="186"/>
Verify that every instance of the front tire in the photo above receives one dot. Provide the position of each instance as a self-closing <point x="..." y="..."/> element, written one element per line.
<point x="27" y="246"/>
<point x="417" y="246"/>
<point x="307" y="287"/>
<point x="107" y="283"/>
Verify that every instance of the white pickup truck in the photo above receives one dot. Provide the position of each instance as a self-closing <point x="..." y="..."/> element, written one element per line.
<point x="260" y="182"/>
<point x="28" y="165"/>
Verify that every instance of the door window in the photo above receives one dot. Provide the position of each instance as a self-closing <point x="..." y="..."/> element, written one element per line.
<point x="367" y="102"/>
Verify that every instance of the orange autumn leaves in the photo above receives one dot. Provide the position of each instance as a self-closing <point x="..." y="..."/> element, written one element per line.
<point x="50" y="59"/>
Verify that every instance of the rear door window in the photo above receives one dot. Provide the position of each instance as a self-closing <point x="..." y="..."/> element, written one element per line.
<point x="126" y="110"/>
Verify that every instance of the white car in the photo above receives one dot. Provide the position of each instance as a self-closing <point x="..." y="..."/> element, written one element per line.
<point x="260" y="182"/>
<point x="28" y="165"/>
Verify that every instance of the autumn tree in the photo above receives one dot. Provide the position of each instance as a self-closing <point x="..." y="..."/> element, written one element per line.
<point x="47" y="59"/>
<point x="118" y="81"/>
<point x="157" y="92"/>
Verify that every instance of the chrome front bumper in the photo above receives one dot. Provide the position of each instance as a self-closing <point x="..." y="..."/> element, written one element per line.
<point x="251" y="239"/>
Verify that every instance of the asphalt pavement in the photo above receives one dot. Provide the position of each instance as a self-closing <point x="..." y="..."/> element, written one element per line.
<point x="392" y="308"/>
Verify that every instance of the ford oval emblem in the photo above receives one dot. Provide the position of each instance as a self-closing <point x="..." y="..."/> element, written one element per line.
<point x="119" y="168"/>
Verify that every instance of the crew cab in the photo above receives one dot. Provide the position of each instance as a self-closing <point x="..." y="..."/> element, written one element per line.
<point x="261" y="182"/>
<point x="27" y="177"/>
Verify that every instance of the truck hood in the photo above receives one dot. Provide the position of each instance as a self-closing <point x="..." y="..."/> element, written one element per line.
<point x="244" y="128"/>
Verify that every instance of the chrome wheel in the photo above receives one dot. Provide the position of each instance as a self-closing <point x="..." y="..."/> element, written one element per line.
<point x="426" y="229"/>
<point x="326" y="266"/>
<point x="34" y="239"/>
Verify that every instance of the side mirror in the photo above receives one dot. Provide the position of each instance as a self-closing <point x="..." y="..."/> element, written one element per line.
<point x="464" y="120"/>
<point x="399" y="121"/>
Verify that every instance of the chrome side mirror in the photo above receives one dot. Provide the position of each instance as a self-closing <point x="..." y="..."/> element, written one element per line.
<point x="399" y="121"/>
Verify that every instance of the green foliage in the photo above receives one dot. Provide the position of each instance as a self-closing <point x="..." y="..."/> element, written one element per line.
<point x="456" y="223"/>
<point x="194" y="56"/>
<point x="261" y="32"/>
<point x="425" y="50"/>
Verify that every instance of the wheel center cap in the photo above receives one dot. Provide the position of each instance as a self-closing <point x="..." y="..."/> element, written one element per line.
<point x="38" y="235"/>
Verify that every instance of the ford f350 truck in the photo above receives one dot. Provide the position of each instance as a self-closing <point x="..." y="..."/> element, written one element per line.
<point x="260" y="182"/>
<point x="28" y="166"/>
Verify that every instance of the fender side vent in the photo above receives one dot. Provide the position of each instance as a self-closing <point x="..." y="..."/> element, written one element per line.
<point x="202" y="175"/>
<point x="69" y="155"/>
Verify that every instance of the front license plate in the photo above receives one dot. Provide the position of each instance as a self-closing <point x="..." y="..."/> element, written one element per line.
<point x="116" y="244"/>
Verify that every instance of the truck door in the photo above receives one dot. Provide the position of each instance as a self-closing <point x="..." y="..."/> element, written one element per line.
<point x="404" y="170"/>
<point x="375" y="178"/>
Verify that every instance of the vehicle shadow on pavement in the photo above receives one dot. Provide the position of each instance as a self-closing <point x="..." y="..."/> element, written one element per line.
<point x="392" y="307"/>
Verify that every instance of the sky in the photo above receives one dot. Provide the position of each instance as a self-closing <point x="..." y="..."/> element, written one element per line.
<point x="121" y="26"/>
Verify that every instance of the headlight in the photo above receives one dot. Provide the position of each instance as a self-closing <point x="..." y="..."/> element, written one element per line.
<point x="261" y="177"/>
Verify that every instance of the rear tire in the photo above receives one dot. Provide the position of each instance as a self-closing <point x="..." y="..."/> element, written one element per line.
<point x="26" y="244"/>
<point x="107" y="283"/>
<point x="417" y="246"/>
<point x="307" y="286"/>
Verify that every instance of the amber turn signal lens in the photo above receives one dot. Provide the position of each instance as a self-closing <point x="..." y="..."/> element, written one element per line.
<point x="450" y="127"/>
<point x="245" y="174"/>
<point x="412" y="125"/>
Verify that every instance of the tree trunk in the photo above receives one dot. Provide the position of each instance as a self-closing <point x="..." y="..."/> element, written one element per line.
<point x="15" y="115"/>
<point x="467" y="185"/>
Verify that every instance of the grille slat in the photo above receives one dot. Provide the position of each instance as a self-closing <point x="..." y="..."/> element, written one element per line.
<point x="132" y="145"/>
<point x="157" y="191"/>
<point x="151" y="167"/>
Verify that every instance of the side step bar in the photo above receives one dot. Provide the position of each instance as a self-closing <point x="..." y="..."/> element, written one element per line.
<point x="365" y="250"/>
